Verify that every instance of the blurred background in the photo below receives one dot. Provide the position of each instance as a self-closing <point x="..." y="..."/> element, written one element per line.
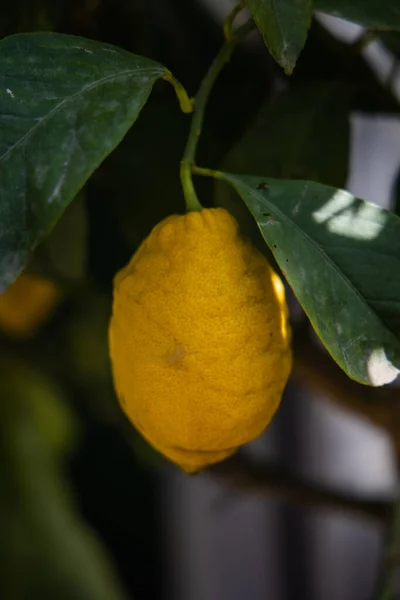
<point x="89" y="511"/>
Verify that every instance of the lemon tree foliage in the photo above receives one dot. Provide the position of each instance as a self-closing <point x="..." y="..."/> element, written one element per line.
<point x="284" y="25"/>
<point x="65" y="103"/>
<point x="286" y="138"/>
<point x="370" y="13"/>
<point x="285" y="142"/>
<point x="45" y="547"/>
<point x="341" y="256"/>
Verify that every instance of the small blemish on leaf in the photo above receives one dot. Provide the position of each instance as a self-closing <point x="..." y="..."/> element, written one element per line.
<point x="262" y="185"/>
<point x="84" y="49"/>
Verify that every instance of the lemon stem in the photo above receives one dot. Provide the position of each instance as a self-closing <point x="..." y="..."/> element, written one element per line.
<point x="200" y="102"/>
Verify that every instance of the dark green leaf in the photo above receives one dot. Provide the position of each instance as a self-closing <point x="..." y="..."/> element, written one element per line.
<point x="288" y="141"/>
<point x="288" y="138"/>
<point x="370" y="13"/>
<point x="284" y="25"/>
<point x="65" y="103"/>
<point x="341" y="256"/>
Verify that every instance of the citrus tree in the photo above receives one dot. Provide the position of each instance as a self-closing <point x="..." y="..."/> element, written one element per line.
<point x="199" y="312"/>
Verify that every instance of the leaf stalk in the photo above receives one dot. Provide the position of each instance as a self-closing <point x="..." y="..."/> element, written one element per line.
<point x="200" y="102"/>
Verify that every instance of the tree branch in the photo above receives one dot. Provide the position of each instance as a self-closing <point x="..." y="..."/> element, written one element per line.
<point x="315" y="370"/>
<point x="345" y="58"/>
<point x="248" y="475"/>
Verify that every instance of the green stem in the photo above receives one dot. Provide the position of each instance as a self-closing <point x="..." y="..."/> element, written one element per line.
<point x="200" y="103"/>
<point x="185" y="102"/>
<point x="205" y="172"/>
<point x="191" y="199"/>
<point x="228" y="24"/>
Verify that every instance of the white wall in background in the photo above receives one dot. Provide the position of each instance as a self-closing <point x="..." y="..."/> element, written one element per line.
<point x="224" y="545"/>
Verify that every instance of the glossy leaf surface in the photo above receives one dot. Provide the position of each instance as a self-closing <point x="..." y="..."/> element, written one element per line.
<point x="65" y="103"/>
<point x="341" y="256"/>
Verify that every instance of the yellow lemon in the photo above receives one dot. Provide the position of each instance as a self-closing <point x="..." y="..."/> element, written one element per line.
<point x="26" y="304"/>
<point x="199" y="339"/>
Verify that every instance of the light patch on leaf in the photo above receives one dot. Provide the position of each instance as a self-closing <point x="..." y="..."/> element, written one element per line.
<point x="41" y="174"/>
<point x="84" y="49"/>
<point x="56" y="193"/>
<point x="339" y="201"/>
<point x="380" y="370"/>
<point x="342" y="262"/>
<point x="342" y="217"/>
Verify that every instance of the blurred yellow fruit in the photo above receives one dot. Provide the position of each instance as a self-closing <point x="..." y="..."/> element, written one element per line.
<point x="199" y="339"/>
<point x="26" y="304"/>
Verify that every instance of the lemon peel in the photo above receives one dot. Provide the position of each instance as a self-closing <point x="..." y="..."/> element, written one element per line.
<point x="199" y="339"/>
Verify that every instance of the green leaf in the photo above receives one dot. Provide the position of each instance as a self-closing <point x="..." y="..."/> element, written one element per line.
<point x="370" y="13"/>
<point x="65" y="103"/>
<point x="284" y="25"/>
<point x="341" y="256"/>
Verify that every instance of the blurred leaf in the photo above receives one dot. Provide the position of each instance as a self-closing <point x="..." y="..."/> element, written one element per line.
<point x="284" y="26"/>
<point x="66" y="102"/>
<point x="87" y="338"/>
<point x="370" y="13"/>
<point x="341" y="256"/>
<point x="66" y="246"/>
<point x="86" y="358"/>
<point x="44" y="402"/>
<point x="62" y="256"/>
<point x="289" y="137"/>
<point x="45" y="551"/>
<point x="143" y="190"/>
<point x="288" y="140"/>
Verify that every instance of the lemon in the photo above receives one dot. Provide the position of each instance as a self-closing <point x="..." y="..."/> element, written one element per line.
<point x="26" y="304"/>
<point x="199" y="339"/>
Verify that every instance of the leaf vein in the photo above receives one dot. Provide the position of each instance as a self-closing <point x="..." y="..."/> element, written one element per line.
<point x="68" y="99"/>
